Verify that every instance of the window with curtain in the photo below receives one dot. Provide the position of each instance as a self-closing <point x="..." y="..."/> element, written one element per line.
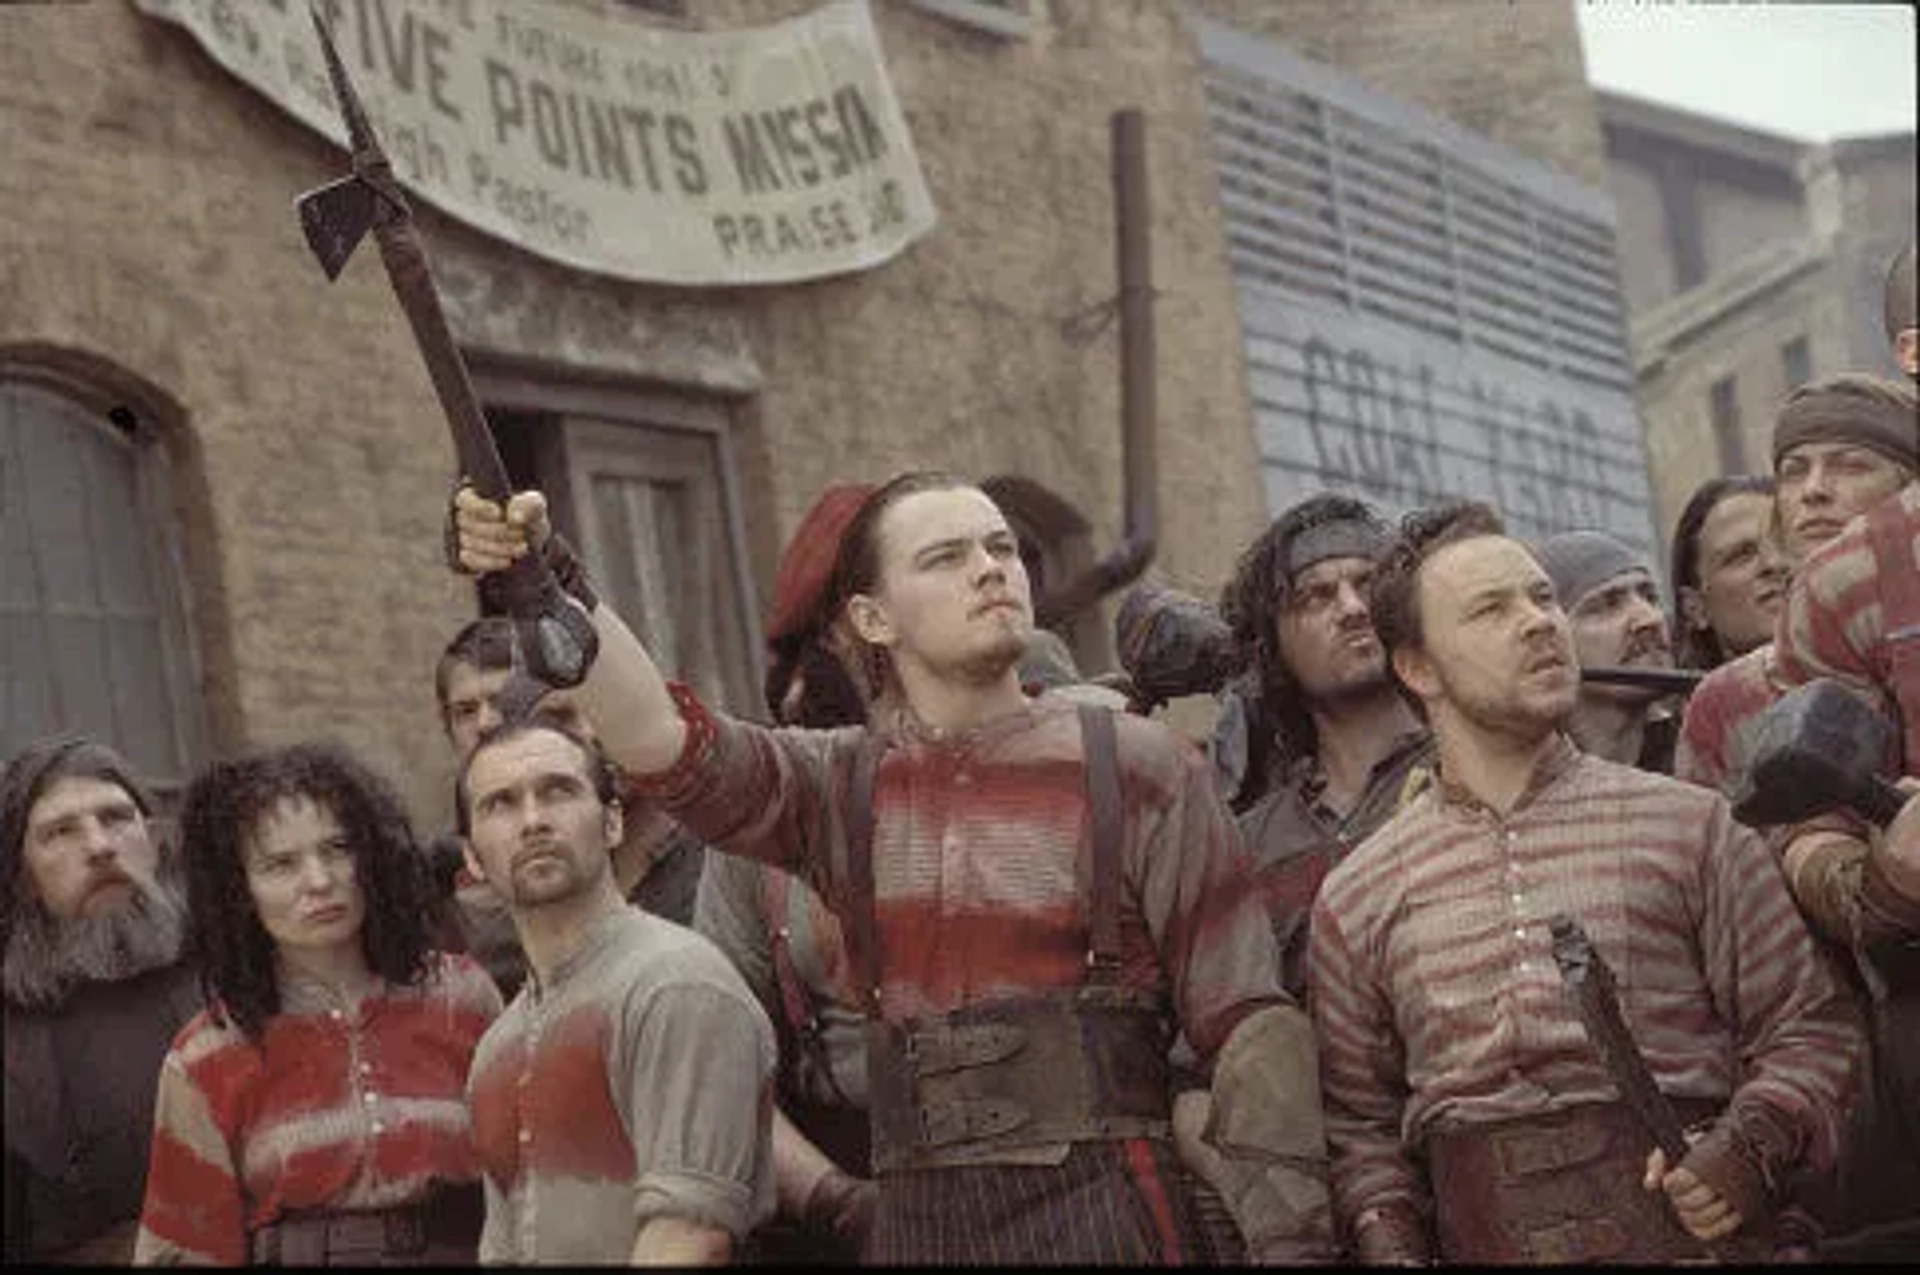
<point x="93" y="622"/>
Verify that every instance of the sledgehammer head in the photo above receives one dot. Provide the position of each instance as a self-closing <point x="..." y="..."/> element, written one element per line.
<point x="1819" y="748"/>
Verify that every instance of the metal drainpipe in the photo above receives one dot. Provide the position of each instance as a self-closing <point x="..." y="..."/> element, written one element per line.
<point x="1134" y="260"/>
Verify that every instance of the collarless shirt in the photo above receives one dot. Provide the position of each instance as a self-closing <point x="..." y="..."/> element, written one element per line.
<point x="634" y="1082"/>
<point x="1437" y="998"/>
<point x="342" y="1103"/>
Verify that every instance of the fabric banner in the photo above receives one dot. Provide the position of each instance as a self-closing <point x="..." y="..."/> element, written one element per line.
<point x="761" y="155"/>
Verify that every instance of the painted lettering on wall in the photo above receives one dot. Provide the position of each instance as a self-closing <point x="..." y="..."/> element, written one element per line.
<point x="1355" y="410"/>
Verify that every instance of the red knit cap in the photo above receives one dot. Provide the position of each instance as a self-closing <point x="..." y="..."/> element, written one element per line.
<point x="800" y="585"/>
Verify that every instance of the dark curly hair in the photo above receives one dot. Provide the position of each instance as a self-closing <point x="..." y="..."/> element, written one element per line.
<point x="1700" y="648"/>
<point x="223" y="808"/>
<point x="1251" y="605"/>
<point x="829" y="696"/>
<point x="1396" y="593"/>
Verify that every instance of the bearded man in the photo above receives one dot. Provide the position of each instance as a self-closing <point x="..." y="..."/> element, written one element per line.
<point x="95" y="990"/>
<point x="1613" y="610"/>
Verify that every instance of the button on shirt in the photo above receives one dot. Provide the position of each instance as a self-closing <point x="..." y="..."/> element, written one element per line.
<point x="981" y="887"/>
<point x="1437" y="999"/>
<point x="337" y="1106"/>
<point x="1295" y="838"/>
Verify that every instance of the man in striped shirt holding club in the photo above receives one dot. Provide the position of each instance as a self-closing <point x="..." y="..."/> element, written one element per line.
<point x="1469" y="1117"/>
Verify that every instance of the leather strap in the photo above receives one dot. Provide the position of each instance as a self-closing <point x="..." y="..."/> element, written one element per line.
<point x="1109" y="831"/>
<point x="1034" y="1070"/>
<point x="795" y="1005"/>
<point x="863" y="936"/>
<point x="1107" y="814"/>
<point x="799" y="1009"/>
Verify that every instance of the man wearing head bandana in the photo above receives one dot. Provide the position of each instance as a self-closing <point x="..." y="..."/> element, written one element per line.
<point x="1844" y="447"/>
<point x="1840" y="446"/>
<point x="1853" y="614"/>
<point x="1346" y="751"/>
<point x="1613" y="607"/>
<point x="95" y="990"/>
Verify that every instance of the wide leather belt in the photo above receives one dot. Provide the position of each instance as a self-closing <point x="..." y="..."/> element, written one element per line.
<point x="1560" y="1187"/>
<point x="444" y="1229"/>
<point x="1031" y="1071"/>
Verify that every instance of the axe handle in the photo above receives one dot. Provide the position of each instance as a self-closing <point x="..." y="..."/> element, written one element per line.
<point x="1676" y="680"/>
<point x="412" y="277"/>
<point x="1595" y="996"/>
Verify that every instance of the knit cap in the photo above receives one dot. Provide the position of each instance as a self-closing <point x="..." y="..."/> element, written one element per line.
<point x="806" y="568"/>
<point x="1578" y="562"/>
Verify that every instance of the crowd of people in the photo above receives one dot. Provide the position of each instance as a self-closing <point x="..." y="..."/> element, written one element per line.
<point x="966" y="957"/>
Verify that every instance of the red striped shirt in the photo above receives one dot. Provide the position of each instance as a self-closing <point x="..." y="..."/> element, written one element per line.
<point x="982" y="856"/>
<point x="1435" y="992"/>
<point x="336" y="1106"/>
<point x="1835" y="621"/>
<point x="1722" y="721"/>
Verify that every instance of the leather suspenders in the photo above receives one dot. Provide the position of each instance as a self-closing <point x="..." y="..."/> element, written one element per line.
<point x="1108" y="818"/>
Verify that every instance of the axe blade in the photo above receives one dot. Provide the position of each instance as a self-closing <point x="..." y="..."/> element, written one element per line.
<point x="336" y="217"/>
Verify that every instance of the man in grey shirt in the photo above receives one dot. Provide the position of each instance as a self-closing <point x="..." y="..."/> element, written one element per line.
<point x="621" y="1104"/>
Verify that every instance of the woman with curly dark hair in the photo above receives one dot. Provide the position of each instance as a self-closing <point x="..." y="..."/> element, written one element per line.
<point x="315" y="1112"/>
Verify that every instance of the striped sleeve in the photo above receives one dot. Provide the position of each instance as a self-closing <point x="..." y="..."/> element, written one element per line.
<point x="1699" y="756"/>
<point x="472" y="997"/>
<point x="194" y="1213"/>
<point x="1362" y="1062"/>
<point x="1833" y="618"/>
<point x="749" y="790"/>
<point x="1794" y="1029"/>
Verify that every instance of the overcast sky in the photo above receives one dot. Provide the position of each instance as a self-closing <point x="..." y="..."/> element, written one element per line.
<point x="1809" y="71"/>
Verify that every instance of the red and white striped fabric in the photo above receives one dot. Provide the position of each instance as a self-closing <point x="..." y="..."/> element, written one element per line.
<point x="1436" y="996"/>
<point x="336" y="1106"/>
<point x="982" y="858"/>
<point x="1722" y="721"/>
<point x="1835" y="621"/>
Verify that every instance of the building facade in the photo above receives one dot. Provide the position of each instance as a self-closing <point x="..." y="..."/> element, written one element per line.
<point x="224" y="476"/>
<point x="1752" y="263"/>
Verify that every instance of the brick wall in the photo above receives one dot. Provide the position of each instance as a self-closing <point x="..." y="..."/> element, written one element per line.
<point x="148" y="200"/>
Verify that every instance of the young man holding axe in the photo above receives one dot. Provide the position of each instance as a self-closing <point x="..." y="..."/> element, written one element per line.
<point x="1034" y="893"/>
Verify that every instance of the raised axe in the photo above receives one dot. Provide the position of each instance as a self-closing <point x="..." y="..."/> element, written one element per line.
<point x="557" y="642"/>
<point x="1818" y="747"/>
